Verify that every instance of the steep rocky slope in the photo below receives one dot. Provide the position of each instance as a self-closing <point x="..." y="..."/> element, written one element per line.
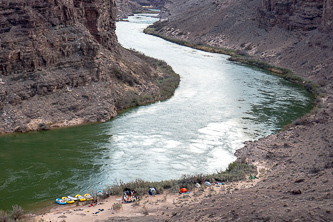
<point x="291" y="34"/>
<point x="127" y="8"/>
<point x="154" y="3"/>
<point x="60" y="65"/>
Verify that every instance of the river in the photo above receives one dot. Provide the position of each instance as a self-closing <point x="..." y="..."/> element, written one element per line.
<point x="218" y="106"/>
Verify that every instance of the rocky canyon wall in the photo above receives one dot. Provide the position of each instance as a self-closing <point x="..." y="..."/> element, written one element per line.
<point x="60" y="65"/>
<point x="29" y="29"/>
<point x="327" y="20"/>
<point x="306" y="15"/>
<point x="126" y="8"/>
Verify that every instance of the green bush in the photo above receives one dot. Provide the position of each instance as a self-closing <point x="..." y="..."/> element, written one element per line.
<point x="117" y="206"/>
<point x="236" y="171"/>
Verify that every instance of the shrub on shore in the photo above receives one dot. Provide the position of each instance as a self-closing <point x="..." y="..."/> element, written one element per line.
<point x="235" y="172"/>
<point x="117" y="206"/>
<point x="15" y="214"/>
<point x="4" y="217"/>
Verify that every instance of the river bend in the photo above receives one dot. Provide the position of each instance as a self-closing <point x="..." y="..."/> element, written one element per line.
<point x="217" y="107"/>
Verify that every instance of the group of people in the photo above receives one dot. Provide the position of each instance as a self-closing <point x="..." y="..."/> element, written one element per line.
<point x="130" y="196"/>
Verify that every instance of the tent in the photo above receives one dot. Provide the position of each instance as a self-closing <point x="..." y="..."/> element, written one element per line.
<point x="152" y="191"/>
<point x="183" y="190"/>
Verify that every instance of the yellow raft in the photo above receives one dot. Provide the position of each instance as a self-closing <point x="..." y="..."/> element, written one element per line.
<point x="80" y="198"/>
<point x="88" y="196"/>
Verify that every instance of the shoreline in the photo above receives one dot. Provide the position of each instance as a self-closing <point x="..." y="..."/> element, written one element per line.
<point x="238" y="173"/>
<point x="150" y="206"/>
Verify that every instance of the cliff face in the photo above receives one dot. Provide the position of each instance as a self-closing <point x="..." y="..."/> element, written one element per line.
<point x="126" y="8"/>
<point x="60" y="64"/>
<point x="31" y="29"/>
<point x="327" y="20"/>
<point x="290" y="14"/>
<point x="305" y="15"/>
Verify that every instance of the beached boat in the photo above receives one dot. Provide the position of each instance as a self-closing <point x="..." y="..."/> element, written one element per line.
<point x="60" y="201"/>
<point x="68" y="200"/>
<point x="88" y="196"/>
<point x="80" y="198"/>
<point x="72" y="198"/>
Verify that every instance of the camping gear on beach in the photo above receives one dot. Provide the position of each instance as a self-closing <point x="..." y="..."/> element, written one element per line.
<point x="99" y="210"/>
<point x="208" y="183"/>
<point x="80" y="198"/>
<point x="252" y="177"/>
<point x="88" y="197"/>
<point x="80" y="209"/>
<point x="68" y="200"/>
<point x="183" y="190"/>
<point x="100" y="193"/>
<point x="60" y="201"/>
<point x="219" y="183"/>
<point x="197" y="185"/>
<point x="129" y="196"/>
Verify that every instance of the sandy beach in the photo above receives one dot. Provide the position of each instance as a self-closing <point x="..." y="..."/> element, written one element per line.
<point x="149" y="206"/>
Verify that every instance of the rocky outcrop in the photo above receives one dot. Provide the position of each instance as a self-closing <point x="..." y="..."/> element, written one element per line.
<point x="290" y="14"/>
<point x="40" y="24"/>
<point x="60" y="64"/>
<point x="327" y="20"/>
<point x="127" y="8"/>
<point x="305" y="15"/>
